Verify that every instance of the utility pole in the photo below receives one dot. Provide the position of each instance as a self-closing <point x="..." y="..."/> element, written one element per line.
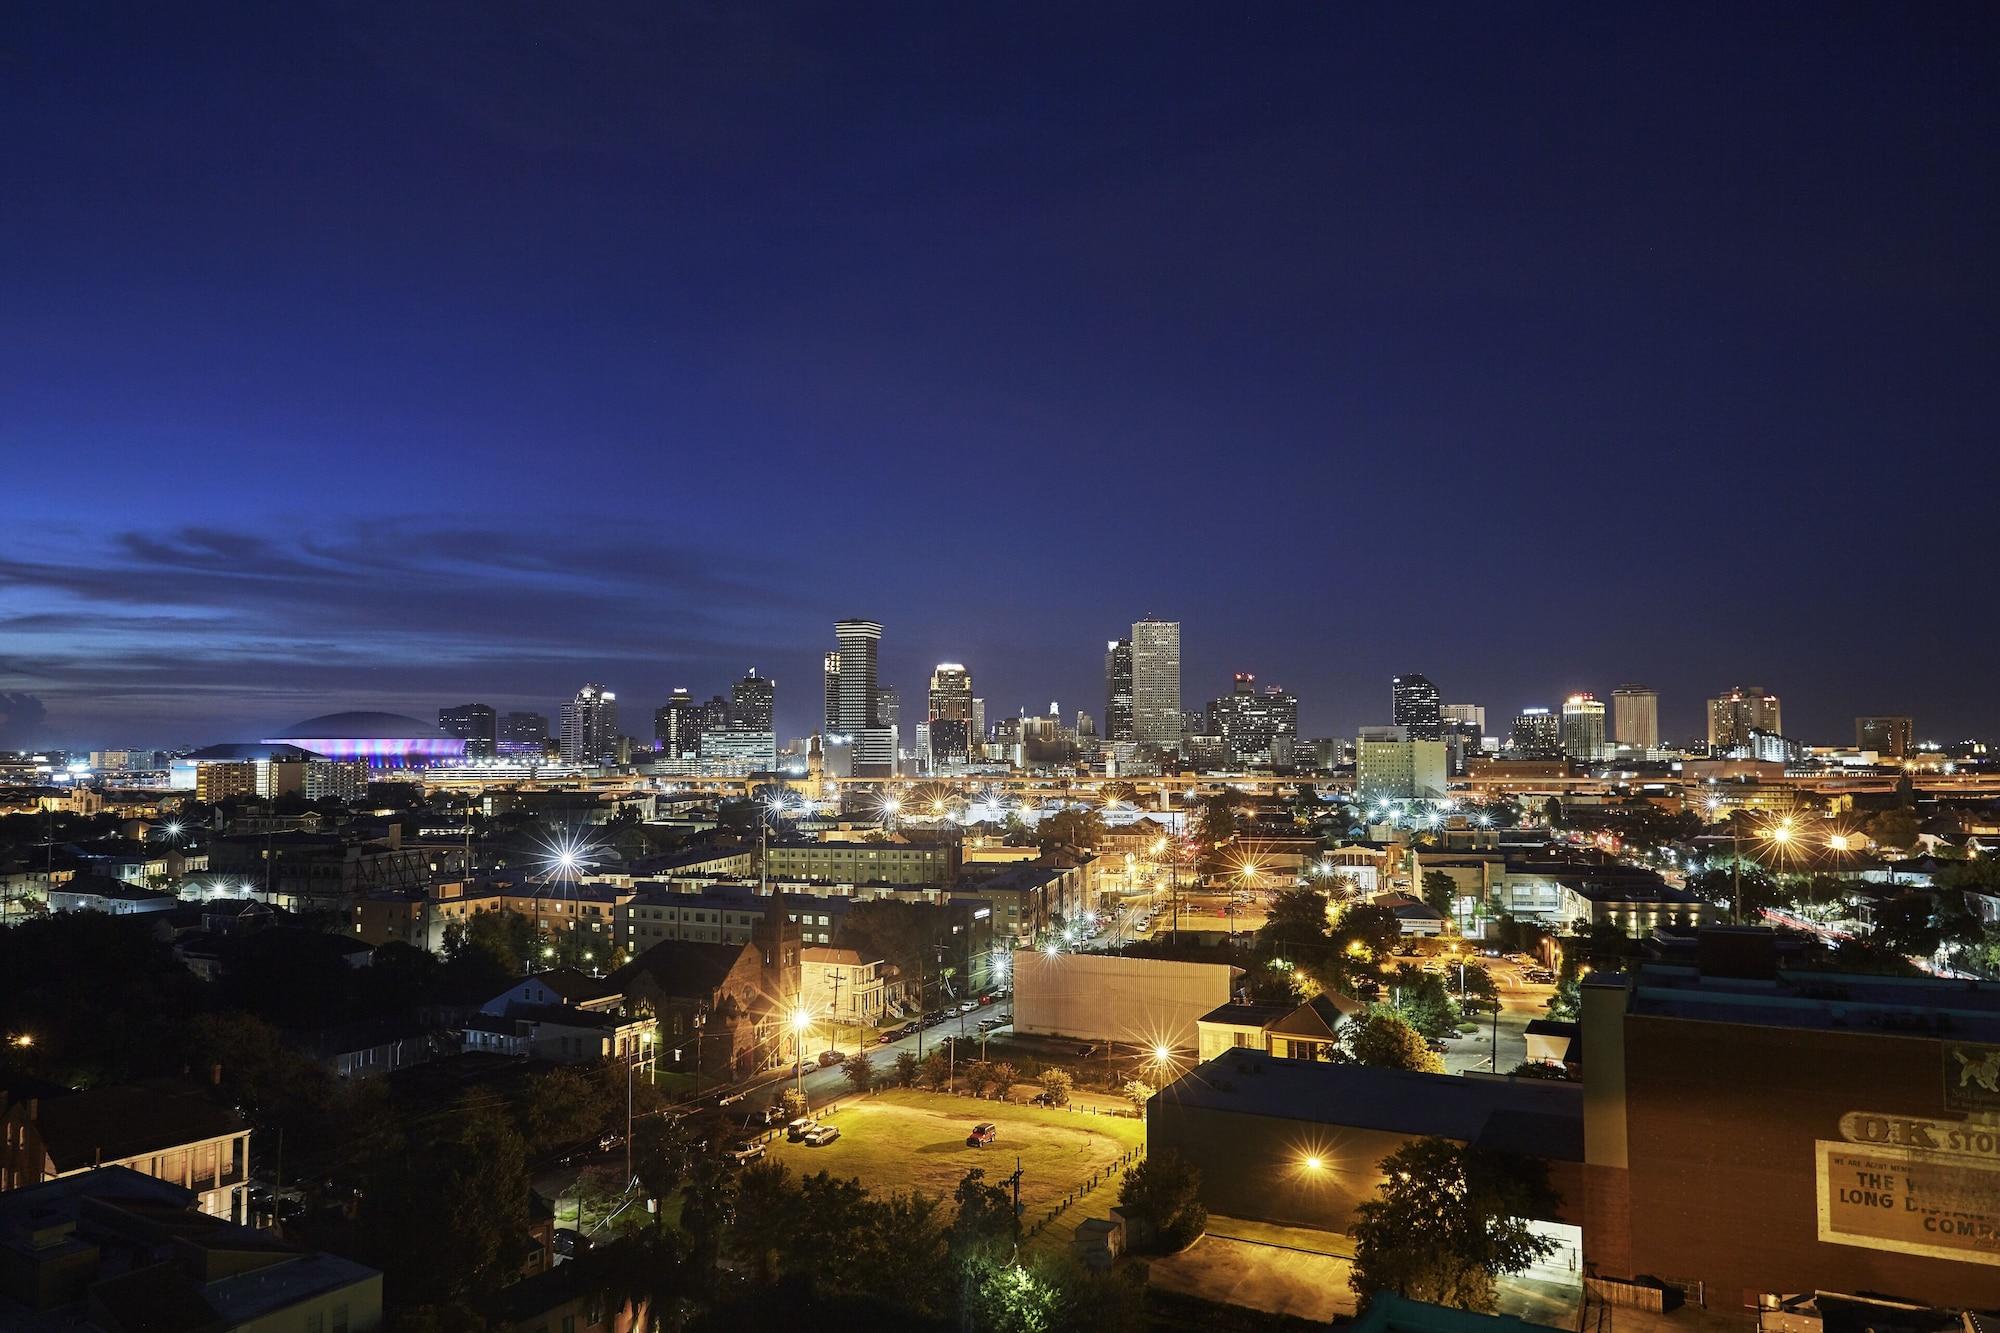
<point x="833" y="1028"/>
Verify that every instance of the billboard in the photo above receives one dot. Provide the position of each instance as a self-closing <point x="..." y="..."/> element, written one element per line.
<point x="1912" y="1184"/>
<point x="1138" y="1001"/>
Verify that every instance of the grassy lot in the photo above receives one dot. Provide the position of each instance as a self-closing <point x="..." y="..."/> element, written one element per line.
<point x="904" y="1139"/>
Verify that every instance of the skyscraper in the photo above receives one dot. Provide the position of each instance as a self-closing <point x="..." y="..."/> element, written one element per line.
<point x="590" y="726"/>
<point x="1118" y="690"/>
<point x="524" y="728"/>
<point x="753" y="701"/>
<point x="1891" y="736"/>
<point x="1257" y="727"/>
<point x="1414" y="705"/>
<point x="832" y="716"/>
<point x="1735" y="715"/>
<point x="1390" y="766"/>
<point x="874" y="744"/>
<point x="1583" y="727"/>
<point x="1156" y="684"/>
<point x="677" y="726"/>
<point x="950" y="715"/>
<point x="1635" y="717"/>
<point x="1472" y="717"/>
<point x="475" y="724"/>
<point x="1535" y="735"/>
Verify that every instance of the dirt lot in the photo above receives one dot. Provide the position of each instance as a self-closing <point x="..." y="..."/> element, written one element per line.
<point x="904" y="1139"/>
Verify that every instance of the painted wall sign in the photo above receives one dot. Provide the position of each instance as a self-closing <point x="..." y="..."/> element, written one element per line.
<point x="1971" y="1076"/>
<point x="1912" y="1200"/>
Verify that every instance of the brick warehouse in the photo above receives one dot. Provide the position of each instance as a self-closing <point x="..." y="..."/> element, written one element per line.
<point x="1759" y="1131"/>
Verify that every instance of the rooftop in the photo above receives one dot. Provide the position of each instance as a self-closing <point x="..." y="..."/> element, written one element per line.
<point x="1797" y="998"/>
<point x="1536" y="1117"/>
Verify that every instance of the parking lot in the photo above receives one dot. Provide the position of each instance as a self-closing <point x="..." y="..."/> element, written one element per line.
<point x="904" y="1139"/>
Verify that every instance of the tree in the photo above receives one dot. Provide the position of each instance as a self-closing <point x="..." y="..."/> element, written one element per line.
<point x="1139" y="1092"/>
<point x="505" y="938"/>
<point x="792" y="1103"/>
<point x="1375" y="928"/>
<point x="1071" y="828"/>
<point x="766" y="1217"/>
<point x="1552" y="812"/>
<point x="1272" y="984"/>
<point x="708" y="1206"/>
<point x="1382" y="1039"/>
<point x="1164" y="1192"/>
<point x="1056" y="1086"/>
<point x="1423" y="1002"/>
<point x="937" y="1070"/>
<point x="1547" y="1069"/>
<point x="1441" y="892"/>
<point x="907" y="1069"/>
<point x="1296" y="925"/>
<point x="1215" y="822"/>
<point x="1447" y="1220"/>
<point x="860" y="1071"/>
<point x="662" y="1157"/>
<point x="1005" y="1076"/>
<point x="985" y="1226"/>
<point x="1906" y="925"/>
<point x="978" y="1076"/>
<point x="1896" y="828"/>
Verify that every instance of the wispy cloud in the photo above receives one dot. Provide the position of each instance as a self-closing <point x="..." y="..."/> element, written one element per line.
<point x="184" y="626"/>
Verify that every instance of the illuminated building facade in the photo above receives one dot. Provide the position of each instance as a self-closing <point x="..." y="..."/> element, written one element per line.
<point x="590" y="726"/>
<point x="1156" y="685"/>
<point x="1635" y="717"/>
<point x="1416" y="706"/>
<point x="1583" y="728"/>
<point x="1736" y="714"/>
<point x="1118" y="690"/>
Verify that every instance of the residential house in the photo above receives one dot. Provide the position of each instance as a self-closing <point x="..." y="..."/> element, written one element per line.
<point x="112" y="1250"/>
<point x="169" y="1130"/>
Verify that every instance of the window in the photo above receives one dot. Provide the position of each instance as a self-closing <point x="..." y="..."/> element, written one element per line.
<point x="340" y="1319"/>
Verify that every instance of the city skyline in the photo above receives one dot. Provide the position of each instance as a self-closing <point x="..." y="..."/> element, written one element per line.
<point x="299" y="435"/>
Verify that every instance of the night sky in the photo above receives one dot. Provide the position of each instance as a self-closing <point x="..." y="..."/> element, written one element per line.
<point x="399" y="355"/>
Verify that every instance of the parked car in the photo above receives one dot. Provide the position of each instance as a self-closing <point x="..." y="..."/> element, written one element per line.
<point x="989" y="1024"/>
<point x="981" y="1135"/>
<point x="1005" y="1016"/>
<point x="798" y="1129"/>
<point x="968" y="1006"/>
<point x="746" y="1151"/>
<point x="1436" y="1044"/>
<point x="828" y="1059"/>
<point x="820" y="1135"/>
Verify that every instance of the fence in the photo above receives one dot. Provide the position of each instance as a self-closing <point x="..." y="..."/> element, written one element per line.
<point x="1103" y="1176"/>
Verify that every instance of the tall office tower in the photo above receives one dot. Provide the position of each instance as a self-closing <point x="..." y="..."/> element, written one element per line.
<point x="1391" y="766"/>
<point x="1156" y="684"/>
<point x="950" y="715"/>
<point x="1583" y="727"/>
<point x="1635" y="717"/>
<point x="590" y="726"/>
<point x="524" y="728"/>
<point x="874" y="744"/>
<point x="1466" y="715"/>
<point x="1414" y="705"/>
<point x="475" y="724"/>
<point x="1891" y="737"/>
<point x="677" y="726"/>
<point x="1735" y="715"/>
<point x="1118" y="690"/>
<point x="1257" y="727"/>
<point x="978" y="724"/>
<point x="715" y="714"/>
<point x="888" y="705"/>
<point x="753" y="701"/>
<point x="832" y="693"/>
<point x="1535" y="735"/>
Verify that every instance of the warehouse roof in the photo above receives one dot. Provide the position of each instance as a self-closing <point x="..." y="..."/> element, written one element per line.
<point x="1535" y="1117"/>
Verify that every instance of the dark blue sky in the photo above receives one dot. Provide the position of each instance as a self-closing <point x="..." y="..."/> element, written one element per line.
<point x="396" y="355"/>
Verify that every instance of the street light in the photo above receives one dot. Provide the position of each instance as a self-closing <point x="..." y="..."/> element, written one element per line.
<point x="802" y="1022"/>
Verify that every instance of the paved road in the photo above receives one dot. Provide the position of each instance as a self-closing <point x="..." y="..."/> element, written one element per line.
<point x="1521" y="1002"/>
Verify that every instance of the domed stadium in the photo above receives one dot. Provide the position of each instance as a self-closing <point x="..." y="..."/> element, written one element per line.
<point x="384" y="740"/>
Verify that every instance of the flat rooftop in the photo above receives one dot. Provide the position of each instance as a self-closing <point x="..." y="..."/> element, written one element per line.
<point x="1816" y="1000"/>
<point x="1537" y="1117"/>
